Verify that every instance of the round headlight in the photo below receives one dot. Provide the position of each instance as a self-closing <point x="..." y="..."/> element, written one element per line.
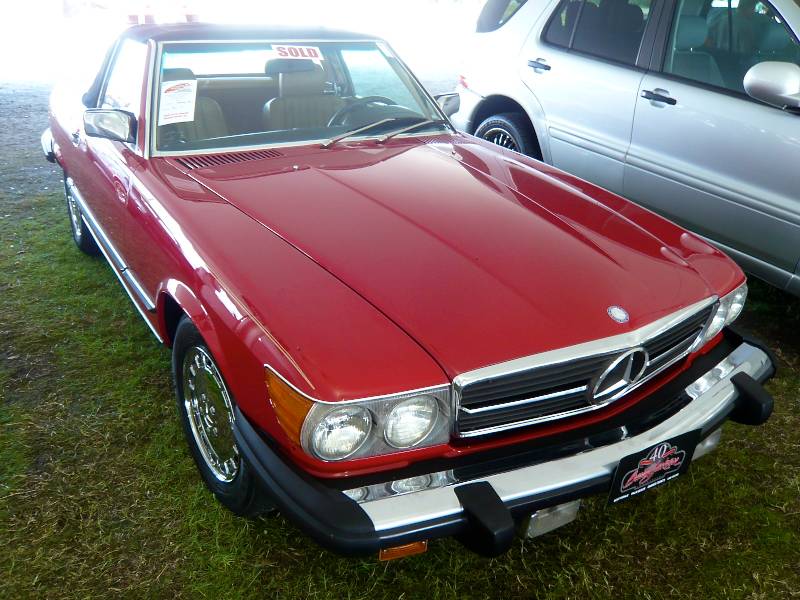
<point x="718" y="322"/>
<point x="341" y="432"/>
<point x="410" y="421"/>
<point x="736" y="301"/>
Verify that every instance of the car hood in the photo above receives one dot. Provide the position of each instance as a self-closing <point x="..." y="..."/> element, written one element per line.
<point x="477" y="256"/>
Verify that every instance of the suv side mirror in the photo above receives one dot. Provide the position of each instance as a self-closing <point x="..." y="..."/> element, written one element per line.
<point x="776" y="83"/>
<point x="449" y="103"/>
<point x="118" y="125"/>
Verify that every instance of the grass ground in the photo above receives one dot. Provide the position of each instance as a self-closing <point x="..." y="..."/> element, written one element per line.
<point x="98" y="495"/>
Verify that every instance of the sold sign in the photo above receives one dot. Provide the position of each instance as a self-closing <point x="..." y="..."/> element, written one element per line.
<point x="299" y="52"/>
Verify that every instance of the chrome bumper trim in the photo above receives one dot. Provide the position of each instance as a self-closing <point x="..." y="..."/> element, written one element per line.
<point x="431" y="504"/>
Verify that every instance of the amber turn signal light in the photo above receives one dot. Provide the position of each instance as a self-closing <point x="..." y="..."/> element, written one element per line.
<point x="291" y="407"/>
<point x="404" y="550"/>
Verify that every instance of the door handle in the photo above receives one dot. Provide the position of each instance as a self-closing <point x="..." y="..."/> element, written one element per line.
<point x="76" y="137"/>
<point x="658" y="96"/>
<point x="539" y="64"/>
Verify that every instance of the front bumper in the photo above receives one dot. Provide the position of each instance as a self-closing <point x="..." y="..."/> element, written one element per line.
<point x="483" y="511"/>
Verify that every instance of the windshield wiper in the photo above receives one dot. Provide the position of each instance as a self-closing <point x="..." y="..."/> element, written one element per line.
<point x="391" y="134"/>
<point x="347" y="134"/>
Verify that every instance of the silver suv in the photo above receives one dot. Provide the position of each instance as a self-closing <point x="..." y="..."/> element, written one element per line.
<point x="688" y="107"/>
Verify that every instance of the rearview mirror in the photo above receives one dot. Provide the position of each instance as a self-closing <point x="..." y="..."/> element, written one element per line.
<point x="776" y="83"/>
<point x="449" y="103"/>
<point x="118" y="125"/>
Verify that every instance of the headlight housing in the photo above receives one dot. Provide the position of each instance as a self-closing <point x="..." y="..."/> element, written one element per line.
<point x="338" y="430"/>
<point x="341" y="432"/>
<point x="728" y="310"/>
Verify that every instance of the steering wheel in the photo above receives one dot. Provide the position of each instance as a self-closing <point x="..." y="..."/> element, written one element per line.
<point x="339" y="115"/>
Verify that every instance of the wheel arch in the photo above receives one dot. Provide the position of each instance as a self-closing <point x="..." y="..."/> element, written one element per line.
<point x="174" y="300"/>
<point x="503" y="103"/>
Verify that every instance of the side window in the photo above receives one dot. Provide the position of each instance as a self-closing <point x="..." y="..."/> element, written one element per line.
<point x="496" y="13"/>
<point x="611" y="29"/>
<point x="559" y="30"/>
<point x="123" y="89"/>
<point x="716" y="42"/>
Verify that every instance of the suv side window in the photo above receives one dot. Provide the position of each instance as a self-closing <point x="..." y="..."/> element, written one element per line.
<point x="611" y="29"/>
<point x="496" y="13"/>
<point x="717" y="41"/>
<point x="123" y="88"/>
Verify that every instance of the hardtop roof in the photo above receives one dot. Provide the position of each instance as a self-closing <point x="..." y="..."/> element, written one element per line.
<point x="207" y="31"/>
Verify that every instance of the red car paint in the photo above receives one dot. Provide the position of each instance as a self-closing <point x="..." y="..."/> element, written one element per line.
<point x="365" y="269"/>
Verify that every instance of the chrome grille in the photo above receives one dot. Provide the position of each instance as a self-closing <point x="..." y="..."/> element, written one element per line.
<point x="561" y="389"/>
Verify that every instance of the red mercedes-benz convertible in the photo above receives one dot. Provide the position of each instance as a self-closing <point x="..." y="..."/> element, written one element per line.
<point x="389" y="330"/>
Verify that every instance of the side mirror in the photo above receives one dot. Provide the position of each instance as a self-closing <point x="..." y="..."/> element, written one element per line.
<point x="449" y="103"/>
<point x="118" y="125"/>
<point x="776" y="83"/>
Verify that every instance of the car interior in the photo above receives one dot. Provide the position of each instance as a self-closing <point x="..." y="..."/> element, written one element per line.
<point x="291" y="95"/>
<point x="713" y="41"/>
<point x="718" y="41"/>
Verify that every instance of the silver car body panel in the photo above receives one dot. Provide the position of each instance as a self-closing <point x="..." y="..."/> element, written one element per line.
<point x="718" y="163"/>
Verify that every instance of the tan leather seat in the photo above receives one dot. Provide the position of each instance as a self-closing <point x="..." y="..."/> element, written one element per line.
<point x="209" y="120"/>
<point x="301" y="101"/>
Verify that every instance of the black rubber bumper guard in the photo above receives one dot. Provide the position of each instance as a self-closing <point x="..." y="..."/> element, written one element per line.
<point x="486" y="526"/>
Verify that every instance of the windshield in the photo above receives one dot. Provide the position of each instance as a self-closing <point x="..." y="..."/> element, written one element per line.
<point x="214" y="96"/>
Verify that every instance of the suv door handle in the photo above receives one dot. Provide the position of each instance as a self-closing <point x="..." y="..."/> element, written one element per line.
<point x="657" y="96"/>
<point x="539" y="65"/>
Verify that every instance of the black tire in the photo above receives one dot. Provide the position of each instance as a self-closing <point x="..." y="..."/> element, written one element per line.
<point x="81" y="234"/>
<point x="510" y="131"/>
<point x="241" y="494"/>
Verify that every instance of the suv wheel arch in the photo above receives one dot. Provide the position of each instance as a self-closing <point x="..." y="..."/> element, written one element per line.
<point x="505" y="107"/>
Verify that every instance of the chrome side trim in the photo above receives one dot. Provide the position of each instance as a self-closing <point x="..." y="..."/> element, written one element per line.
<point x="129" y="282"/>
<point x="609" y="345"/>
<point x="548" y="477"/>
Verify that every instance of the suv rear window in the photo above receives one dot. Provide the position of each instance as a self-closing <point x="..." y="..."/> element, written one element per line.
<point x="611" y="29"/>
<point x="496" y="13"/>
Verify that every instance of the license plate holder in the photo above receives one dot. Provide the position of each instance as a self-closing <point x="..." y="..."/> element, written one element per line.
<point x="652" y="467"/>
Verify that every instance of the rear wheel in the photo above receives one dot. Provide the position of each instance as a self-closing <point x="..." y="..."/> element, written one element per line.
<point x="81" y="234"/>
<point x="205" y="407"/>
<point x="511" y="131"/>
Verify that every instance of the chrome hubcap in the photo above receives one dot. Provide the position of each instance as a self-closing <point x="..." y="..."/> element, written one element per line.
<point x="74" y="215"/>
<point x="501" y="137"/>
<point x="208" y="406"/>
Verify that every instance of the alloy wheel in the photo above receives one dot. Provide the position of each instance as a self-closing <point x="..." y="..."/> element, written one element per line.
<point x="501" y="137"/>
<point x="208" y="406"/>
<point x="75" y="217"/>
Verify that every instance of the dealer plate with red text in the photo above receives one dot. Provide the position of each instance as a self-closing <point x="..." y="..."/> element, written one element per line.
<point x="653" y="467"/>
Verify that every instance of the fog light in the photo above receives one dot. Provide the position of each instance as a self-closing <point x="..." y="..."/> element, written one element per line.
<point x="546" y="520"/>
<point x="412" y="484"/>
<point x="357" y="494"/>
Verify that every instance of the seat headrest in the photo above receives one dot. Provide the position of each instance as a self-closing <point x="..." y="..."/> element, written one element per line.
<point x="692" y="33"/>
<point x="301" y="83"/>
<point x="276" y="66"/>
<point x="176" y="74"/>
